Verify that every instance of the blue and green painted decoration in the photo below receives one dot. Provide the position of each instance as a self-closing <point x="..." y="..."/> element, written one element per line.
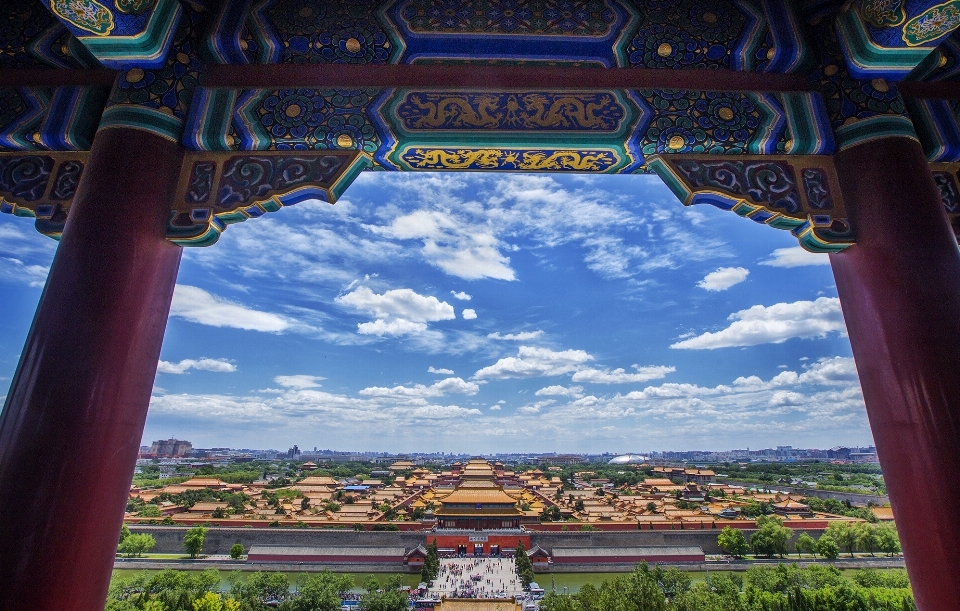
<point x="254" y="150"/>
<point x="889" y="38"/>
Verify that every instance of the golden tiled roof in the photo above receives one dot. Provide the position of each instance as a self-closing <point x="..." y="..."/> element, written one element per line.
<point x="478" y="495"/>
<point x="478" y="604"/>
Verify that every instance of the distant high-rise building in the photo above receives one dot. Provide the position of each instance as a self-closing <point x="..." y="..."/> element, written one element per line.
<point x="171" y="447"/>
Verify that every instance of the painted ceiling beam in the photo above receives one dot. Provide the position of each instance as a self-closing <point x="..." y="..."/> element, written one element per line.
<point x="512" y="77"/>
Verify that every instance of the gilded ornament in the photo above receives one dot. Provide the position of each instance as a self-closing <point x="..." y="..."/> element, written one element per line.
<point x="930" y="25"/>
<point x="665" y="49"/>
<point x="709" y="18"/>
<point x="344" y="141"/>
<point x="352" y="45"/>
<point x="292" y="111"/>
<point x="883" y="13"/>
<point x="506" y="159"/>
<point x="676" y="142"/>
<point x="134" y="7"/>
<point x="771" y="53"/>
<point x="510" y="111"/>
<point x="87" y="15"/>
<point x="880" y="85"/>
<point x="135" y="75"/>
<point x="725" y="113"/>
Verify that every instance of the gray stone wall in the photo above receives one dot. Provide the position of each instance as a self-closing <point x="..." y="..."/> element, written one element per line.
<point x="219" y="540"/>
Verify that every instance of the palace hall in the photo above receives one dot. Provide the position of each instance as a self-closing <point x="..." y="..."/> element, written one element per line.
<point x="478" y="503"/>
<point x="133" y="129"/>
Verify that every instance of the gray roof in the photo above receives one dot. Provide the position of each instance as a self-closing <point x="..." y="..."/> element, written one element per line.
<point x="593" y="552"/>
<point x="279" y="550"/>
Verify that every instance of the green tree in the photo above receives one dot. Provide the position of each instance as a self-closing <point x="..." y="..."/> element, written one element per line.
<point x="867" y="538"/>
<point x="320" y="592"/>
<point x="846" y="535"/>
<point x="431" y="564"/>
<point x="236" y="550"/>
<point x="827" y="547"/>
<point x="551" y="514"/>
<point x="672" y="582"/>
<point x="887" y="540"/>
<point x="559" y="602"/>
<point x="257" y="589"/>
<point x="733" y="541"/>
<point x="124" y="532"/>
<point x="806" y="544"/>
<point x="305" y="504"/>
<point x="149" y="511"/>
<point x="193" y="540"/>
<point x="524" y="565"/>
<point x="770" y="537"/>
<point x="387" y="598"/>
<point x="134" y="546"/>
<point x="215" y="602"/>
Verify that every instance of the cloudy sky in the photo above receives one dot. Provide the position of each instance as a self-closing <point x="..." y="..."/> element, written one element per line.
<point x="490" y="312"/>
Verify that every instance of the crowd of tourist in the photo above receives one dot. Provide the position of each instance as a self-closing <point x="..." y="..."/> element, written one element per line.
<point x="477" y="578"/>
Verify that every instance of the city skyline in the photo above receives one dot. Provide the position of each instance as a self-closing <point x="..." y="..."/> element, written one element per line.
<point x="442" y="311"/>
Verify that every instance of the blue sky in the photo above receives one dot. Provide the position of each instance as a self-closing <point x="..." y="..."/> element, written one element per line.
<point x="490" y="312"/>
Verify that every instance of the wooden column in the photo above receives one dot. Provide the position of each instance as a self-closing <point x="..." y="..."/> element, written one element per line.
<point x="71" y="426"/>
<point x="899" y="287"/>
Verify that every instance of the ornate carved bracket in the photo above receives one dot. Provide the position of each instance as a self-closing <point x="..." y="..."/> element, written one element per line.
<point x="41" y="186"/>
<point x="947" y="177"/>
<point x="215" y="190"/>
<point x="797" y="193"/>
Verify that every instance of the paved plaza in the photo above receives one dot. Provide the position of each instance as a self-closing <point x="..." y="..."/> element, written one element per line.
<point x="477" y="578"/>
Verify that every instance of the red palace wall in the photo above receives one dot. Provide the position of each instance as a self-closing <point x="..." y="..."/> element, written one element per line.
<point x="453" y="541"/>
<point x="322" y="558"/>
<point x="630" y="559"/>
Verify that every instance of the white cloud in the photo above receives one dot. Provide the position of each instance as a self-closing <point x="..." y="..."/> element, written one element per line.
<point x="469" y="314"/>
<point x="534" y="362"/>
<point x="16" y="270"/>
<point x="495" y="408"/>
<point x="461" y="296"/>
<point x="397" y="326"/>
<point x="772" y="324"/>
<point x="398" y="311"/>
<point x="560" y="391"/>
<point x="203" y="364"/>
<point x="420" y="391"/>
<point x="398" y="303"/>
<point x="457" y="246"/>
<point x="446" y="372"/>
<point x="786" y="397"/>
<point x="299" y="381"/>
<point x="619" y="376"/>
<point x="723" y="278"/>
<point x="795" y="256"/>
<point x="835" y="370"/>
<point x="519" y="337"/>
<point x="197" y="305"/>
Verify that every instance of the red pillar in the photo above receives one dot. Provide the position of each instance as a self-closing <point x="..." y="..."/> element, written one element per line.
<point x="71" y="426"/>
<point x="899" y="287"/>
